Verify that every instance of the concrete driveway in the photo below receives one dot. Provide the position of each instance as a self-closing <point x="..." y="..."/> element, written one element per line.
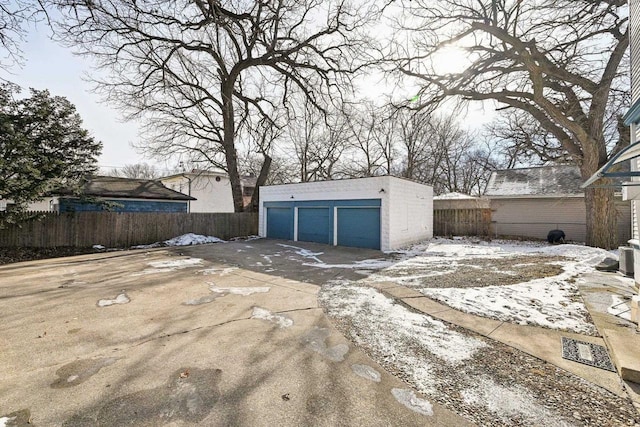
<point x="222" y="335"/>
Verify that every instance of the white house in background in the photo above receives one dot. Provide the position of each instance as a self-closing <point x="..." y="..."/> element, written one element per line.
<point x="212" y="189"/>
<point x="378" y="213"/>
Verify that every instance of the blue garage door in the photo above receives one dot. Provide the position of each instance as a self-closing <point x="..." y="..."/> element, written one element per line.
<point x="359" y="227"/>
<point x="315" y="224"/>
<point x="280" y="223"/>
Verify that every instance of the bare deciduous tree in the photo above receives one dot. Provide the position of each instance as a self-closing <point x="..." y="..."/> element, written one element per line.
<point x="437" y="151"/>
<point x="557" y="61"/>
<point x="136" y="170"/>
<point x="319" y="142"/>
<point x="198" y="71"/>
<point x="14" y="16"/>
<point x="370" y="139"/>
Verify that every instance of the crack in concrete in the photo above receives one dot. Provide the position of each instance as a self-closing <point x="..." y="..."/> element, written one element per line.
<point x="214" y="326"/>
<point x="298" y="309"/>
<point x="494" y="329"/>
<point x="188" y="331"/>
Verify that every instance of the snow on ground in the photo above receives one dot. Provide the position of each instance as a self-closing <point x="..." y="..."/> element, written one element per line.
<point x="396" y="328"/>
<point x="184" y="240"/>
<point x="120" y="299"/>
<point x="366" y="372"/>
<point x="192" y="239"/>
<point x="215" y="270"/>
<point x="508" y="402"/>
<point x="176" y="263"/>
<point x="305" y="253"/>
<point x="278" y="319"/>
<point x="167" y="266"/>
<point x="368" y="264"/>
<point x="551" y="303"/>
<point x="409" y="399"/>
<point x="415" y="345"/>
<point x="243" y="291"/>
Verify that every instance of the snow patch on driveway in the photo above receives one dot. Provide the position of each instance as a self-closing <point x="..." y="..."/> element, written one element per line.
<point x="243" y="291"/>
<point x="366" y="372"/>
<point x="367" y="264"/>
<point x="167" y="266"/>
<point x="316" y="340"/>
<point x="215" y="270"/>
<point x="176" y="263"/>
<point x="5" y="420"/>
<point x="409" y="399"/>
<point x="278" y="319"/>
<point x="120" y="299"/>
<point x="305" y="253"/>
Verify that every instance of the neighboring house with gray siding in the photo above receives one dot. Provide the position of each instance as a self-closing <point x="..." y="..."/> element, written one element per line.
<point x="529" y="202"/>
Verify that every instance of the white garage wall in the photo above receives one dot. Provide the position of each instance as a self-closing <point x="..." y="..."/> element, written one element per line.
<point x="406" y="212"/>
<point x="344" y="189"/>
<point x="410" y="212"/>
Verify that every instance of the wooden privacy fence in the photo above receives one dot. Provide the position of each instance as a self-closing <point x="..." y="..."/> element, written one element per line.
<point x="123" y="229"/>
<point x="462" y="222"/>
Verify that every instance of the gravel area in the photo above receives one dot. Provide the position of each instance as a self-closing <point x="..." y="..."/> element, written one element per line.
<point x="485" y="381"/>
<point x="474" y="272"/>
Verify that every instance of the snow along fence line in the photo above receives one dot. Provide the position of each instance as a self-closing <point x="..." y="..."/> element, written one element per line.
<point x="123" y="229"/>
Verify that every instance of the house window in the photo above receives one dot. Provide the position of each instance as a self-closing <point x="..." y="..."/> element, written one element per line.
<point x="247" y="191"/>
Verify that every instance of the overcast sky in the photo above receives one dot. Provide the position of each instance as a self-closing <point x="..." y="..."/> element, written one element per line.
<point x="49" y="66"/>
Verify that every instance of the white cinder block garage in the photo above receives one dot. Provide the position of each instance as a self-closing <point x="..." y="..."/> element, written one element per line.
<point x="382" y="212"/>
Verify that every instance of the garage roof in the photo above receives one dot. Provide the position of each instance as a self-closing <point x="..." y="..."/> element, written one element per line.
<point x="549" y="181"/>
<point x="108" y="186"/>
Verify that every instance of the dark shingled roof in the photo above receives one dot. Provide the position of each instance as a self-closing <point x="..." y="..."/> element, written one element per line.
<point x="557" y="180"/>
<point x="108" y="186"/>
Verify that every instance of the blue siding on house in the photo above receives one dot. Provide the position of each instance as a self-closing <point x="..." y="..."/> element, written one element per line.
<point x="75" y="205"/>
<point x="359" y="227"/>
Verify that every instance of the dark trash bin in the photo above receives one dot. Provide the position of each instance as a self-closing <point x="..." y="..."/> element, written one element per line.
<point x="556" y="236"/>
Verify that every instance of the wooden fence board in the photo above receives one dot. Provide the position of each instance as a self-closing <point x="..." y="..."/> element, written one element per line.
<point x="462" y="222"/>
<point x="123" y="229"/>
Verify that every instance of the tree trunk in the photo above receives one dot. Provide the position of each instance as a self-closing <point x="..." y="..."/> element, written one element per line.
<point x="228" y="144"/>
<point x="602" y="216"/>
<point x="262" y="179"/>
